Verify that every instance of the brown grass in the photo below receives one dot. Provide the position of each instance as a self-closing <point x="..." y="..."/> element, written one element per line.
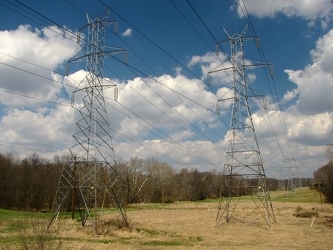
<point x="191" y="225"/>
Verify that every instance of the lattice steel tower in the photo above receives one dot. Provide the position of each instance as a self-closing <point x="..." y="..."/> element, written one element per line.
<point x="88" y="180"/>
<point x="329" y="153"/>
<point x="243" y="172"/>
<point x="289" y="175"/>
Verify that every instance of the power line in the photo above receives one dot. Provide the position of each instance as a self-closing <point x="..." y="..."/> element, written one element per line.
<point x="38" y="99"/>
<point x="38" y="18"/>
<point x="176" y="93"/>
<point x="178" y="144"/>
<point x="60" y="26"/>
<point x="165" y="101"/>
<point x="209" y="31"/>
<point x="165" y="85"/>
<point x="35" y="74"/>
<point x="193" y="27"/>
<point x="45" y="17"/>
<point x="277" y="102"/>
<point x="35" y="98"/>
<point x="26" y="148"/>
<point x="155" y="44"/>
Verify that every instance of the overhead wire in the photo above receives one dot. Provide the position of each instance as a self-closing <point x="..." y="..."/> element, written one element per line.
<point x="253" y="32"/>
<point x="225" y="54"/>
<point x="178" y="97"/>
<point x="227" y="58"/>
<point x="277" y="101"/>
<point x="171" y="106"/>
<point x="34" y="98"/>
<point x="35" y="74"/>
<point x="197" y="32"/>
<point x="47" y="101"/>
<point x="68" y="105"/>
<point x="141" y="72"/>
<point x="177" y="94"/>
<point x="35" y="15"/>
<point x="25" y="148"/>
<point x="59" y="26"/>
<point x="32" y="73"/>
<point x="159" y="81"/>
<point x="155" y="44"/>
<point x="163" y="112"/>
<point x="46" y="18"/>
<point x="170" y="139"/>
<point x="193" y="27"/>
<point x="146" y="147"/>
<point x="329" y="137"/>
<point x="209" y="31"/>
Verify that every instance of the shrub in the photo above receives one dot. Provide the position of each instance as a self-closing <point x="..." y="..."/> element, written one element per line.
<point x="33" y="234"/>
<point x="108" y="226"/>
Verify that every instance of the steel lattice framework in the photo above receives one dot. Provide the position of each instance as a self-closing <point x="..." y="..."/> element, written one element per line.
<point x="89" y="177"/>
<point x="329" y="153"/>
<point x="289" y="175"/>
<point x="243" y="172"/>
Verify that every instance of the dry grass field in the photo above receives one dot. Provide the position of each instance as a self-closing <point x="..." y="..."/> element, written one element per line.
<point x="186" y="225"/>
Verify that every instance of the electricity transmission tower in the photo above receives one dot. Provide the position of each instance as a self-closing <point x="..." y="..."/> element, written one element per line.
<point x="243" y="172"/>
<point x="289" y="176"/>
<point x="88" y="179"/>
<point x="329" y="153"/>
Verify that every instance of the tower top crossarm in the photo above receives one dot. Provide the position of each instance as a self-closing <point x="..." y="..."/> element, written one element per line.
<point x="94" y="49"/>
<point x="237" y="60"/>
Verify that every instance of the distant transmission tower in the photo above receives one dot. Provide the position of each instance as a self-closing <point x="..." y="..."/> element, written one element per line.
<point x="88" y="179"/>
<point x="289" y="174"/>
<point x="243" y="172"/>
<point x="329" y="153"/>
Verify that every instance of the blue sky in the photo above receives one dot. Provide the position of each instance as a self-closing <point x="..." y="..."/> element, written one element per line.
<point x="173" y="43"/>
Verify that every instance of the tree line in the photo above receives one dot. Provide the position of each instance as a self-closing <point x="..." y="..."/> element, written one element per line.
<point x="31" y="183"/>
<point x="323" y="181"/>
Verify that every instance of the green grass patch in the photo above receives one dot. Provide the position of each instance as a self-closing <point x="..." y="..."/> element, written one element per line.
<point x="304" y="194"/>
<point x="8" y="215"/>
<point x="11" y="220"/>
<point x="147" y="206"/>
<point x="148" y="231"/>
<point x="197" y="239"/>
<point x="163" y="243"/>
<point x="100" y="241"/>
<point x="207" y="200"/>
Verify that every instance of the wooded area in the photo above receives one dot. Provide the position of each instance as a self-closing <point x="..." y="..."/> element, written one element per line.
<point x="31" y="183"/>
<point x="323" y="180"/>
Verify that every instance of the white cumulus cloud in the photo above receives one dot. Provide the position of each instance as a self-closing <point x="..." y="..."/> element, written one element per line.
<point x="314" y="82"/>
<point x="127" y="33"/>
<point x="306" y="9"/>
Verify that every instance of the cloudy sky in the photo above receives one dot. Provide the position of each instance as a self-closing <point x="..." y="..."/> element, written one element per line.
<point x="166" y="105"/>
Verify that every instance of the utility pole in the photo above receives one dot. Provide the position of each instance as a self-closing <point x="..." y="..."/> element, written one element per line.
<point x="90" y="171"/>
<point x="243" y="172"/>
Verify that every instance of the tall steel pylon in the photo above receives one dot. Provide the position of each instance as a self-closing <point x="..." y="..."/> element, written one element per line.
<point x="329" y="153"/>
<point x="243" y="172"/>
<point x="289" y="174"/>
<point x="88" y="180"/>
